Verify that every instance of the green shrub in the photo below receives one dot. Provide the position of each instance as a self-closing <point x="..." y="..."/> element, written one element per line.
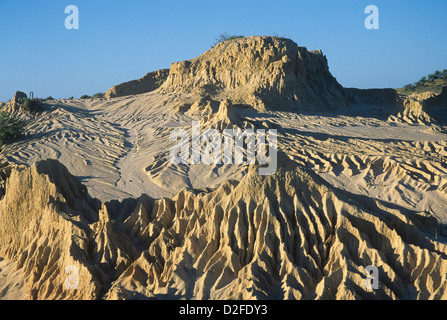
<point x="85" y="96"/>
<point x="410" y="87"/>
<point x="433" y="82"/>
<point x="98" y="95"/>
<point x="11" y="128"/>
<point x="32" y="105"/>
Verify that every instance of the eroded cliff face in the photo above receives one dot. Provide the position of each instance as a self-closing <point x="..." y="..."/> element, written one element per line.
<point x="150" y="82"/>
<point x="265" y="72"/>
<point x="425" y="108"/>
<point x="16" y="102"/>
<point x="44" y="216"/>
<point x="285" y="236"/>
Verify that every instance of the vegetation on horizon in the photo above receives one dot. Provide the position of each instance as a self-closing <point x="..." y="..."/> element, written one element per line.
<point x="98" y="95"/>
<point x="11" y="128"/>
<point x="433" y="82"/>
<point x="223" y="37"/>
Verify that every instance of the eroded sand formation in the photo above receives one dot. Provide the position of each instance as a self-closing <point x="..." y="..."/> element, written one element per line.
<point x="361" y="180"/>
<point x="148" y="83"/>
<point x="286" y="236"/>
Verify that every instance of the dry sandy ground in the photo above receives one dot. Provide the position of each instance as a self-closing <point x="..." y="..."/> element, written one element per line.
<point x="119" y="149"/>
<point x="11" y="281"/>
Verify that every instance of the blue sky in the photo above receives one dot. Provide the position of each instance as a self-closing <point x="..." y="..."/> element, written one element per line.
<point x="119" y="41"/>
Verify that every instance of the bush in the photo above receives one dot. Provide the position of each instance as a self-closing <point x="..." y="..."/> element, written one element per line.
<point x="437" y="74"/>
<point x="11" y="128"/>
<point x="32" y="105"/>
<point x="85" y="96"/>
<point x="225" y="37"/>
<point x="98" y="95"/>
<point x="433" y="82"/>
<point x="410" y="87"/>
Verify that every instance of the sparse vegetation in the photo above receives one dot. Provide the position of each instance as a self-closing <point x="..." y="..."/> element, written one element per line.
<point x="11" y="128"/>
<point x="433" y="82"/>
<point x="32" y="105"/>
<point x="98" y="95"/>
<point x="225" y="37"/>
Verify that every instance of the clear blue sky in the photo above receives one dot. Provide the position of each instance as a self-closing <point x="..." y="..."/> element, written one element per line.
<point x="122" y="40"/>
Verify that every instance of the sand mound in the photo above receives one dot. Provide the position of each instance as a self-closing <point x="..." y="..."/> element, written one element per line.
<point x="289" y="235"/>
<point x="426" y="107"/>
<point x="412" y="110"/>
<point x="225" y="118"/>
<point x="16" y="102"/>
<point x="148" y="83"/>
<point x="262" y="72"/>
